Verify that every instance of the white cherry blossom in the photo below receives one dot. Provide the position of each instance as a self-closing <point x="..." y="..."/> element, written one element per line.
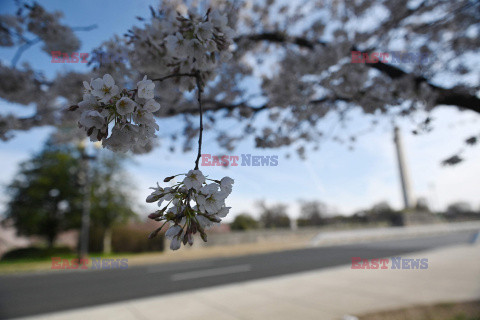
<point x="177" y="45"/>
<point x="204" y="30"/>
<point x="125" y="106"/>
<point x="211" y="202"/>
<point x="146" y="88"/>
<point x="173" y="231"/>
<point x="194" y="179"/>
<point x="104" y="88"/>
<point x="88" y="102"/>
<point x="92" y="119"/>
<point x="151" y="106"/>
<point x="88" y="89"/>
<point x="223" y="212"/>
<point x="226" y="184"/>
<point x="175" y="244"/>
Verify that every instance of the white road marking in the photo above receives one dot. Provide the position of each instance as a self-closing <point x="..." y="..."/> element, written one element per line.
<point x="161" y="268"/>
<point x="210" y="272"/>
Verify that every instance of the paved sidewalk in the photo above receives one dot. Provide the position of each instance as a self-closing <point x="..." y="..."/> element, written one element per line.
<point x="453" y="274"/>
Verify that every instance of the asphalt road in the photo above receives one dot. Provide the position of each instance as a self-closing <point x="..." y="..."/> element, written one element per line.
<point x="33" y="294"/>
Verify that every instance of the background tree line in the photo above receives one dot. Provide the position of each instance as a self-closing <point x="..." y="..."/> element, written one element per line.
<point x="314" y="213"/>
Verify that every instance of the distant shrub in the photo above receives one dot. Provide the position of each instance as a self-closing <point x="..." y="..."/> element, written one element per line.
<point x="35" y="253"/>
<point x="244" y="222"/>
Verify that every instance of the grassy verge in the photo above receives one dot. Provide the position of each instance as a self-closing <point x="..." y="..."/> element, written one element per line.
<point x="35" y="264"/>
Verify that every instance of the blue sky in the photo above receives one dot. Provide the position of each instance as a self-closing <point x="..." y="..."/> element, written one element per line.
<point x="345" y="180"/>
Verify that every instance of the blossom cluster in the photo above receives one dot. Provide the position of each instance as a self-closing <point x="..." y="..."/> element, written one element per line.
<point x="182" y="43"/>
<point x="129" y="112"/>
<point x="192" y="206"/>
<point x="38" y="21"/>
<point x="47" y="27"/>
<point x="198" y="40"/>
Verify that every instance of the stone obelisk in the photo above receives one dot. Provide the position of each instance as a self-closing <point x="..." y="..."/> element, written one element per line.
<point x="402" y="167"/>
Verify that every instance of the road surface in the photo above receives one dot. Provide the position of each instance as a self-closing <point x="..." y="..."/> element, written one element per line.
<point x="33" y="294"/>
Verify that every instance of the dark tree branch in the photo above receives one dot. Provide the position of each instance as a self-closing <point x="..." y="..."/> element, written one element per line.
<point x="175" y="75"/>
<point x="457" y="98"/>
<point x="452" y="96"/>
<point x="213" y="105"/>
<point x="279" y="37"/>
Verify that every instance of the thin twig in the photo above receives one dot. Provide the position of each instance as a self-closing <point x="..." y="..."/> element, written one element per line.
<point x="86" y="28"/>
<point x="199" y="98"/>
<point x="21" y="49"/>
<point x="176" y="75"/>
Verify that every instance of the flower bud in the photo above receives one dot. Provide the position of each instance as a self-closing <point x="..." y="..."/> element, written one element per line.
<point x="167" y="179"/>
<point x="213" y="218"/>
<point x="155" y="214"/>
<point x="190" y="239"/>
<point x="154" y="233"/>
<point x="154" y="197"/>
